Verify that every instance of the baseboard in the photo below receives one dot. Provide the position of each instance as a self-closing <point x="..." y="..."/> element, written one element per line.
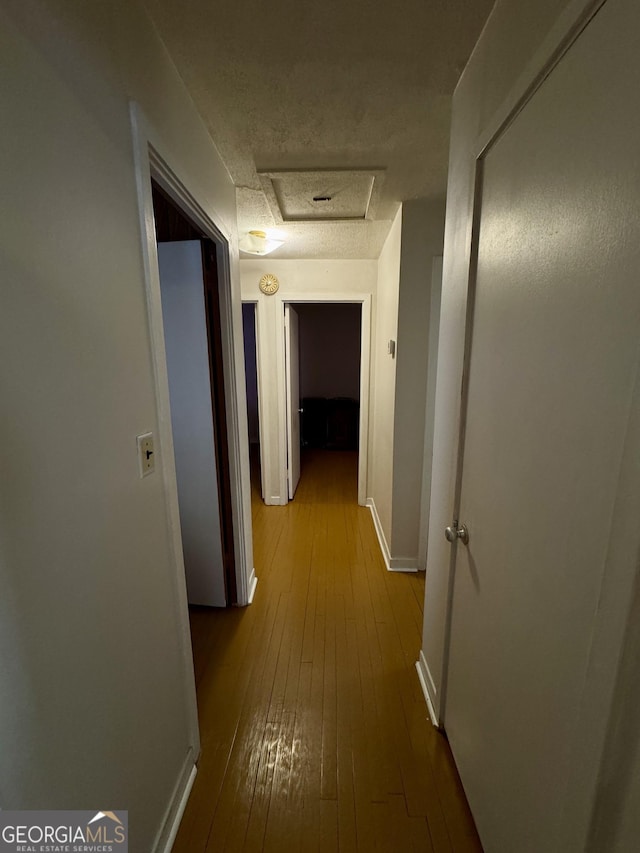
<point x="403" y="564"/>
<point x="167" y="835"/>
<point x="393" y="564"/>
<point x="384" y="548"/>
<point x="253" y="582"/>
<point x="428" y="688"/>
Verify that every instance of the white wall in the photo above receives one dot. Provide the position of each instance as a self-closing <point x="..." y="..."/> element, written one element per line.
<point x="97" y="704"/>
<point x="330" y="277"/>
<point x="385" y="325"/>
<point x="406" y="312"/>
<point x="422" y="239"/>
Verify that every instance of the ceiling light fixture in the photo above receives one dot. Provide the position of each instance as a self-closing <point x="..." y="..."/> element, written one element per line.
<point x="257" y="243"/>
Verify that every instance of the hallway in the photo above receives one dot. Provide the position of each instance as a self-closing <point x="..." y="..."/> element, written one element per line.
<point x="315" y="733"/>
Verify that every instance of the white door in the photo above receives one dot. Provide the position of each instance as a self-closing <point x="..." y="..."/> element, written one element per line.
<point x="553" y="362"/>
<point x="187" y="349"/>
<point x="292" y="371"/>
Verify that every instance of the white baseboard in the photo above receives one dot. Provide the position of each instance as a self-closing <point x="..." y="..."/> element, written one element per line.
<point x="253" y="582"/>
<point x="393" y="564"/>
<point x="167" y="835"/>
<point x="403" y="564"/>
<point x="428" y="688"/>
<point x="379" y="532"/>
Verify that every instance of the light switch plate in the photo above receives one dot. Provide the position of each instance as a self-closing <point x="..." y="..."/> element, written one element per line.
<point x="146" y="454"/>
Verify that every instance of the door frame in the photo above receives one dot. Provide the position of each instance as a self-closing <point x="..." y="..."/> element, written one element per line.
<point x="608" y="636"/>
<point x="152" y="163"/>
<point x="364" y="300"/>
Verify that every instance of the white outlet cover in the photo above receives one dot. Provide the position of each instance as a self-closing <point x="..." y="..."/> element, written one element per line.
<point x="146" y="453"/>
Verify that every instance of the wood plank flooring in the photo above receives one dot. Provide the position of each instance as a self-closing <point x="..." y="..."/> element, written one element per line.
<point x="315" y="733"/>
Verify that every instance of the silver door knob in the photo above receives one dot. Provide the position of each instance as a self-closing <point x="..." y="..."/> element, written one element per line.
<point x="462" y="533"/>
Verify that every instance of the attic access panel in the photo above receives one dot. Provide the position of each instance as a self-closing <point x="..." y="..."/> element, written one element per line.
<point x="321" y="196"/>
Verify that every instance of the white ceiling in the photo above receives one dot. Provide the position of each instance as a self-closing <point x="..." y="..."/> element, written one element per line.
<point x="328" y="86"/>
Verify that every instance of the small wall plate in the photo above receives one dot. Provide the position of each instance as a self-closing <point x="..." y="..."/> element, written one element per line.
<point x="269" y="284"/>
<point x="146" y="458"/>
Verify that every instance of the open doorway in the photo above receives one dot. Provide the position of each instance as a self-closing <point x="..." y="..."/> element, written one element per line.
<point x="323" y="368"/>
<point x="249" y="330"/>
<point x="187" y="262"/>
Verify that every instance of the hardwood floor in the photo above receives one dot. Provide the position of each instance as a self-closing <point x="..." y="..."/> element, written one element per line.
<point x="315" y="733"/>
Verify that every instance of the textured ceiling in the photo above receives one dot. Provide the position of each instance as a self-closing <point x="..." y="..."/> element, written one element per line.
<point x="332" y="85"/>
<point x="325" y="195"/>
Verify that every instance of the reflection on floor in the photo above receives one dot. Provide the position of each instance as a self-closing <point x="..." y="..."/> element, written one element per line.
<point x="315" y="733"/>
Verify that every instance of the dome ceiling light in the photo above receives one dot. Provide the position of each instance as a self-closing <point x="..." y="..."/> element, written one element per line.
<point x="257" y="243"/>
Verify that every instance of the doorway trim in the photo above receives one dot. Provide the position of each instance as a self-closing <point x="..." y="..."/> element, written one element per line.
<point x="364" y="300"/>
<point x="151" y="163"/>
